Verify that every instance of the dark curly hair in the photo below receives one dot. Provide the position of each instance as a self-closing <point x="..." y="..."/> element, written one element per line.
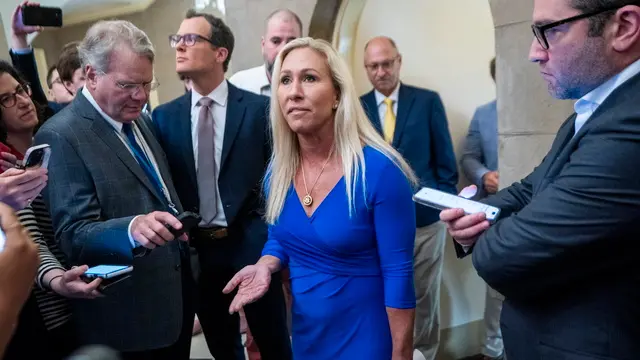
<point x="7" y="68"/>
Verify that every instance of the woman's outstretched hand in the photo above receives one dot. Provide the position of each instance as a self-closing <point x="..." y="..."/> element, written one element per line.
<point x="252" y="283"/>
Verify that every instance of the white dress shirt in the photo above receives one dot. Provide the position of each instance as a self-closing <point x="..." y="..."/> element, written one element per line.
<point x="587" y="105"/>
<point x="254" y="80"/>
<point x="219" y="96"/>
<point x="117" y="126"/>
<point x="382" y="107"/>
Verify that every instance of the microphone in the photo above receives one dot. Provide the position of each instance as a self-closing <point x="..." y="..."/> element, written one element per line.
<point x="94" y="352"/>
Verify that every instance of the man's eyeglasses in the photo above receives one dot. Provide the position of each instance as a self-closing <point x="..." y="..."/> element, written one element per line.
<point x="188" y="39"/>
<point x="134" y="88"/>
<point x="384" y="65"/>
<point x="11" y="99"/>
<point x="539" y="31"/>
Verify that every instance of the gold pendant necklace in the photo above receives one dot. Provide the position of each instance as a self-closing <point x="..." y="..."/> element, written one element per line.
<point x="307" y="200"/>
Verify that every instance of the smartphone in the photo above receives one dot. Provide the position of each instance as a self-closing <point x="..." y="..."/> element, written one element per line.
<point x="441" y="201"/>
<point x="42" y="16"/>
<point x="3" y="239"/>
<point x="107" y="271"/>
<point x="189" y="221"/>
<point x="36" y="156"/>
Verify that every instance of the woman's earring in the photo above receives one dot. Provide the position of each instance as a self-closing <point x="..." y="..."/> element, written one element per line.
<point x="335" y="106"/>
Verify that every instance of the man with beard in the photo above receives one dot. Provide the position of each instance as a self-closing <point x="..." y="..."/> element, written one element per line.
<point x="281" y="27"/>
<point x="564" y="250"/>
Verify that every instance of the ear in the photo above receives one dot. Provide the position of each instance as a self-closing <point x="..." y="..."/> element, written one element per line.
<point x="222" y="55"/>
<point x="262" y="43"/>
<point x="91" y="77"/>
<point x="626" y="28"/>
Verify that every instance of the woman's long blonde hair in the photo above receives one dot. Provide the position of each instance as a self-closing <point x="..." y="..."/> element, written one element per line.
<point x="352" y="131"/>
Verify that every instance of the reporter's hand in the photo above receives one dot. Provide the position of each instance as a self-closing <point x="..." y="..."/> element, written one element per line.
<point x="18" y="261"/>
<point x="71" y="285"/>
<point x="150" y="230"/>
<point x="7" y="161"/>
<point x="19" y="187"/>
<point x="252" y="283"/>
<point x="465" y="229"/>
<point x="19" y="31"/>
<point x="491" y="182"/>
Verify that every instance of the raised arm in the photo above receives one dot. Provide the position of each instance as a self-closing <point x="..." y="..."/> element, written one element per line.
<point x="395" y="227"/>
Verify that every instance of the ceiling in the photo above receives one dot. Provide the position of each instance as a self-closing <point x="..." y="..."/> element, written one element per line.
<point x="78" y="11"/>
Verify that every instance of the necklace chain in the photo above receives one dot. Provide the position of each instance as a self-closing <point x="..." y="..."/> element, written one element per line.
<point x="307" y="200"/>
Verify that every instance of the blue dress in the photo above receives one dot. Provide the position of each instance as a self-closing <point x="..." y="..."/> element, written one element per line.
<point x="346" y="270"/>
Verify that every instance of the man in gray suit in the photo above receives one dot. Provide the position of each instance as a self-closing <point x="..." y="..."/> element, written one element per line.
<point x="111" y="199"/>
<point x="564" y="250"/>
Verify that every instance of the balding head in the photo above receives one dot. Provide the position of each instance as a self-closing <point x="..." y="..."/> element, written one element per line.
<point x="382" y="62"/>
<point x="281" y="27"/>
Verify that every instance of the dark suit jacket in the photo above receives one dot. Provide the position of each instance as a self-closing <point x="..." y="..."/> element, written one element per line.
<point x="245" y="155"/>
<point x="422" y="137"/>
<point x="564" y="252"/>
<point x="95" y="189"/>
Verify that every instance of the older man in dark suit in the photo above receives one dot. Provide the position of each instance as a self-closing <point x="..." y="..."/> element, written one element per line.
<point x="111" y="199"/>
<point x="564" y="251"/>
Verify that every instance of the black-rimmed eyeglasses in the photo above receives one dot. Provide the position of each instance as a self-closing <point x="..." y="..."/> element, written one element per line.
<point x="10" y="99"/>
<point x="188" y="39"/>
<point x="539" y="31"/>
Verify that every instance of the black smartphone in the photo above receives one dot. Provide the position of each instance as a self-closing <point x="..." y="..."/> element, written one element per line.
<point x="189" y="221"/>
<point x="42" y="16"/>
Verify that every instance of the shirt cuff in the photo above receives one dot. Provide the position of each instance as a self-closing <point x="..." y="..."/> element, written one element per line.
<point x="479" y="174"/>
<point x="134" y="243"/>
<point x="24" y="51"/>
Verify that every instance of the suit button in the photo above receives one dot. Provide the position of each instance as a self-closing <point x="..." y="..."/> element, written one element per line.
<point x="177" y="267"/>
<point x="227" y="206"/>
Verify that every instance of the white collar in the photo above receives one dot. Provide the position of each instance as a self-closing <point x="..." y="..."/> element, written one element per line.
<point x="219" y="95"/>
<point x="263" y="79"/>
<point x="115" y="124"/>
<point x="394" y="95"/>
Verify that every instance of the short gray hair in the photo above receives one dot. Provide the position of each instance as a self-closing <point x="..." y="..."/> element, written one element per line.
<point x="105" y="36"/>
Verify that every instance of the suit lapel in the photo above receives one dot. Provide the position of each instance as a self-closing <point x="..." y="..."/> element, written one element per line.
<point x="563" y="138"/>
<point x="371" y="108"/>
<point x="107" y="134"/>
<point x="235" y="117"/>
<point x="158" y="154"/>
<point x="406" y="97"/>
<point x="181" y="117"/>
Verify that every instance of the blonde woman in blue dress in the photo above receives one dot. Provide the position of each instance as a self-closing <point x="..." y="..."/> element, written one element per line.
<point x="340" y="216"/>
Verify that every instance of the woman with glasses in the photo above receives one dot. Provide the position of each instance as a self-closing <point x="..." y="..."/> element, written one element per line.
<point x="45" y="317"/>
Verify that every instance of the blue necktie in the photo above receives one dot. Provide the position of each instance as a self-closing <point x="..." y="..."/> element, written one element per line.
<point x="144" y="162"/>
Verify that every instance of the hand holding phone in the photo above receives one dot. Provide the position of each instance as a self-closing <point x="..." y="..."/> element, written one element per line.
<point x="465" y="225"/>
<point x="36" y="15"/>
<point x="109" y="275"/>
<point x="442" y="201"/>
<point x="189" y="221"/>
<point x="36" y="156"/>
<point x="152" y="230"/>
